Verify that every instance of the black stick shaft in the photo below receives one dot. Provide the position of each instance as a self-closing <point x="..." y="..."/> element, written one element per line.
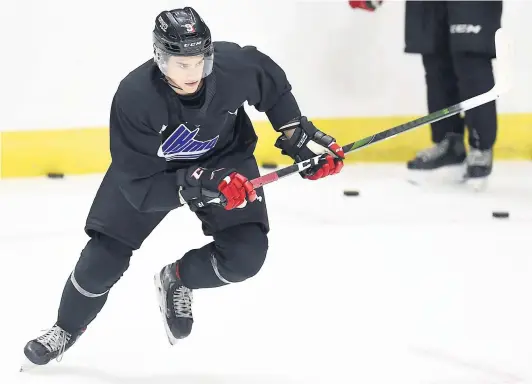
<point x="389" y="133"/>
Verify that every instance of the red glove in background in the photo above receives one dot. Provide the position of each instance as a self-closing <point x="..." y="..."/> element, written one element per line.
<point x="370" y="5"/>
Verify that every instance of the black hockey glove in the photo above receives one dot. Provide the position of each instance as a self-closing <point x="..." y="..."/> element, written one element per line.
<point x="199" y="187"/>
<point x="306" y="142"/>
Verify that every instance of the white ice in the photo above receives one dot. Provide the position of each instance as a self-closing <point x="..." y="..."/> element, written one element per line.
<point x="402" y="285"/>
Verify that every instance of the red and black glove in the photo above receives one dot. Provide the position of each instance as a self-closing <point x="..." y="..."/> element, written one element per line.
<point x="199" y="187"/>
<point x="307" y="142"/>
<point x="370" y="5"/>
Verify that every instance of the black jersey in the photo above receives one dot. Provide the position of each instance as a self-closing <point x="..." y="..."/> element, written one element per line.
<point x="154" y="131"/>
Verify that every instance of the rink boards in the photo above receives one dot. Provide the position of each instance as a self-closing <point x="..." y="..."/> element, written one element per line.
<point x="86" y="150"/>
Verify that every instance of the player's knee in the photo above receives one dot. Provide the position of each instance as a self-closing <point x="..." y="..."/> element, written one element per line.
<point x="250" y="257"/>
<point x="244" y="258"/>
<point x="103" y="261"/>
<point x="474" y="72"/>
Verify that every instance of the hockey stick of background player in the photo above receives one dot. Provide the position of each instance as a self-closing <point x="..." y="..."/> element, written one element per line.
<point x="503" y="47"/>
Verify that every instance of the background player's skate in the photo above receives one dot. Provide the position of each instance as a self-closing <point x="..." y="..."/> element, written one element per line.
<point x="443" y="162"/>
<point x="479" y="165"/>
<point x="450" y="163"/>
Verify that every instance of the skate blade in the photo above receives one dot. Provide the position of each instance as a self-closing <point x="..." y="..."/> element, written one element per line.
<point x="27" y="365"/>
<point x="477" y="184"/>
<point x="162" y="306"/>
<point x="451" y="174"/>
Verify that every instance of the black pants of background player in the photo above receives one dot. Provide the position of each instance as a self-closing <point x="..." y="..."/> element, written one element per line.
<point x="116" y="229"/>
<point x="457" y="43"/>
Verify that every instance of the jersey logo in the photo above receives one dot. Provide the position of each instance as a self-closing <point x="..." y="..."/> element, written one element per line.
<point x="465" y="28"/>
<point x="181" y="145"/>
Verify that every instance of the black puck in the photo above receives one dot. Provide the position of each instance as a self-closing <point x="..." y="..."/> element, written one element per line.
<point x="501" y="215"/>
<point x="269" y="165"/>
<point x="350" y="192"/>
<point x="55" y="175"/>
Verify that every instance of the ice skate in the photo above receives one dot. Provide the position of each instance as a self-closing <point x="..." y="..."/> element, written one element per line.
<point x="479" y="167"/>
<point x="52" y="345"/>
<point x="443" y="162"/>
<point x="175" y="302"/>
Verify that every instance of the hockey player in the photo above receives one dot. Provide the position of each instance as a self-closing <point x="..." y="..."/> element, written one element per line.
<point x="457" y="42"/>
<point x="180" y="136"/>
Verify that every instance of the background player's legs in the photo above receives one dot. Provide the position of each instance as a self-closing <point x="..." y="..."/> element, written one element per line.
<point x="442" y="91"/>
<point x="427" y="33"/>
<point x="475" y="74"/>
<point x="472" y="50"/>
<point x="447" y="134"/>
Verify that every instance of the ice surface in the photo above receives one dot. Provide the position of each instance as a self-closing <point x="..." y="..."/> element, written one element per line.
<point x="403" y="284"/>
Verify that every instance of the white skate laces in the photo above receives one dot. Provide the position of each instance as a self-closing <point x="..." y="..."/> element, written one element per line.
<point x="55" y="340"/>
<point x="182" y="299"/>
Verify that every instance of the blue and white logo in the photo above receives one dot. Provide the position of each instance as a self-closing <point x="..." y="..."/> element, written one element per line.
<point x="181" y="145"/>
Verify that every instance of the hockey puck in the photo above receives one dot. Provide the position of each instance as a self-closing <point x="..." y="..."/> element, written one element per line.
<point x="55" y="175"/>
<point x="269" y="165"/>
<point x="348" y="192"/>
<point x="501" y="215"/>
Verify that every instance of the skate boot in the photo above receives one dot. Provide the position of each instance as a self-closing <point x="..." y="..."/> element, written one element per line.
<point x="175" y="302"/>
<point x="450" y="151"/>
<point x="52" y="345"/>
<point x="479" y="167"/>
<point x="449" y="154"/>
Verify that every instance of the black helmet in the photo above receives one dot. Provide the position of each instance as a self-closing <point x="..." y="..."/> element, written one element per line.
<point x="182" y="32"/>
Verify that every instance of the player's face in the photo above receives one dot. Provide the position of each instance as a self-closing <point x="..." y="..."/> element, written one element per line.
<point x="186" y="72"/>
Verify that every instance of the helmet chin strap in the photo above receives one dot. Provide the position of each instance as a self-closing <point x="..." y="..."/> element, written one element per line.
<point x="172" y="84"/>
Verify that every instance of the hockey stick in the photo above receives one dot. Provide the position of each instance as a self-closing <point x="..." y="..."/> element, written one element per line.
<point x="503" y="48"/>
